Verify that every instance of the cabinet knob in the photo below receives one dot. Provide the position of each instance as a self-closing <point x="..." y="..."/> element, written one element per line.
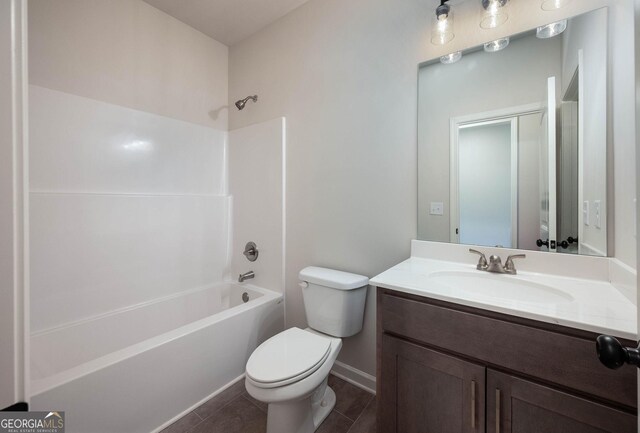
<point x="613" y="355"/>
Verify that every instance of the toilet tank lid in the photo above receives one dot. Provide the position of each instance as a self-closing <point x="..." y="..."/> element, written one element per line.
<point x="331" y="278"/>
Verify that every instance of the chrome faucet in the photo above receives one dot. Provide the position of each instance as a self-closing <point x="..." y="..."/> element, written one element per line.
<point x="495" y="263"/>
<point x="246" y="276"/>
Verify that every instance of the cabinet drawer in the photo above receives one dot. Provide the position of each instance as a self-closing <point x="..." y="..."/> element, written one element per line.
<point x="554" y="357"/>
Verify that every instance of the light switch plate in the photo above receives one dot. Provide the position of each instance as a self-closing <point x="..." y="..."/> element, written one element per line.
<point x="585" y="212"/>
<point x="437" y="208"/>
<point x="596" y="214"/>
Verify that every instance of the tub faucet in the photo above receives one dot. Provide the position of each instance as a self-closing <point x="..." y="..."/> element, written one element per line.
<point x="246" y="276"/>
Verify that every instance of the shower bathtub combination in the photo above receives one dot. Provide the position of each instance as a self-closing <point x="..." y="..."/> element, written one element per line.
<point x="141" y="368"/>
<point x="137" y="223"/>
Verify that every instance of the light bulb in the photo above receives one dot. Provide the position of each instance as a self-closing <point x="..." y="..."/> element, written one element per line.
<point x="551" y="30"/>
<point x="497" y="45"/>
<point x="451" y="58"/>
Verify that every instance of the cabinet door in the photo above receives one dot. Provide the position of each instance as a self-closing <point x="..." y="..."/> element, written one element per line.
<point x="518" y="406"/>
<point x="424" y="391"/>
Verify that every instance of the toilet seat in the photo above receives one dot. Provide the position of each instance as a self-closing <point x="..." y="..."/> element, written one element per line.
<point x="287" y="357"/>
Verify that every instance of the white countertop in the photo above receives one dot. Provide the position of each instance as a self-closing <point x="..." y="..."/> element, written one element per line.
<point x="591" y="304"/>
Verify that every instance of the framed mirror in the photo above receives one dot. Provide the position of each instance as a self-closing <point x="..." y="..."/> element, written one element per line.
<point x="517" y="156"/>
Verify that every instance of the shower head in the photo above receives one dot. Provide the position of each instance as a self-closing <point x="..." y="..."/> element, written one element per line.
<point x="241" y="103"/>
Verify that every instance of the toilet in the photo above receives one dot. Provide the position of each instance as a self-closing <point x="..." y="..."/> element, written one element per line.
<point x="289" y="371"/>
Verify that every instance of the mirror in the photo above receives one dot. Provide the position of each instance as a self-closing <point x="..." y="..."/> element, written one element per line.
<point x="517" y="155"/>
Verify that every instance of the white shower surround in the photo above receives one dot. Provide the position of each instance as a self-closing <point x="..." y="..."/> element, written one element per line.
<point x="132" y="229"/>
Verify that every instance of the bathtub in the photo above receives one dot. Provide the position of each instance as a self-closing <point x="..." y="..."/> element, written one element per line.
<point x="140" y="368"/>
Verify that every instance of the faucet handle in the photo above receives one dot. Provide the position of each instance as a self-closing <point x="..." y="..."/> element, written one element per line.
<point x="482" y="262"/>
<point x="509" y="267"/>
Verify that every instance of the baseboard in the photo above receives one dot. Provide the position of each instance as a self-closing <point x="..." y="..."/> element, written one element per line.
<point x="354" y="376"/>
<point x="198" y="404"/>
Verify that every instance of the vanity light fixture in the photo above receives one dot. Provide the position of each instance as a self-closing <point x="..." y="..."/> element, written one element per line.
<point x="552" y="5"/>
<point x="495" y="13"/>
<point x="551" y="30"/>
<point x="442" y="26"/>
<point x="451" y="58"/>
<point x="497" y="45"/>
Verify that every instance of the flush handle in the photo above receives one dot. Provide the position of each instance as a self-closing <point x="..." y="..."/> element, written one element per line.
<point x="613" y="355"/>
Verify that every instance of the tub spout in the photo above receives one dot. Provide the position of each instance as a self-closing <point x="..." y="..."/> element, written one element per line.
<point x="246" y="276"/>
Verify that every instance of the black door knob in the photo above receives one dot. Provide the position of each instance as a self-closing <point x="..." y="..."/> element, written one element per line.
<point x="613" y="355"/>
<point x="540" y="243"/>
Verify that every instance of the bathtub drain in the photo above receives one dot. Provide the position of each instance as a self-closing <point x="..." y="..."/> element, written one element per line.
<point x="245" y="297"/>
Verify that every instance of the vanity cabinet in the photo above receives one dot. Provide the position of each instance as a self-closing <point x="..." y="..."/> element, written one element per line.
<point x="447" y="368"/>
<point x="428" y="391"/>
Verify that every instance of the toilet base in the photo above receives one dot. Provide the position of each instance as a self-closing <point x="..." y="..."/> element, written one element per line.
<point x="323" y="408"/>
<point x="302" y="416"/>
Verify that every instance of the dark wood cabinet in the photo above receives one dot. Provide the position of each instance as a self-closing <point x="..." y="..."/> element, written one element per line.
<point x="428" y="391"/>
<point x="445" y="368"/>
<point x="516" y="405"/>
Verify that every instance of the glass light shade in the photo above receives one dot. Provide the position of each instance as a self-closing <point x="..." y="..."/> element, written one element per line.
<point x="497" y="45"/>
<point x="552" y="5"/>
<point x="451" y="58"/>
<point x="442" y="29"/>
<point x="493" y="20"/>
<point x="495" y="14"/>
<point x="551" y="30"/>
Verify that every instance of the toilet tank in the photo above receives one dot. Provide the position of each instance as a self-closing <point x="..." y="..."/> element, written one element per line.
<point x="333" y="300"/>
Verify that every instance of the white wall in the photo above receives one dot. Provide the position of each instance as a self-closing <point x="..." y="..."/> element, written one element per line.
<point x="445" y="91"/>
<point x="256" y="183"/>
<point x="7" y="313"/>
<point x="588" y="34"/>
<point x="126" y="207"/>
<point x="622" y="131"/>
<point x="13" y="279"/>
<point x="348" y="91"/>
<point x="131" y="54"/>
<point x="344" y="75"/>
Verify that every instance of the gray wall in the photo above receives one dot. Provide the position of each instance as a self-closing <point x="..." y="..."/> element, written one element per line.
<point x="344" y="73"/>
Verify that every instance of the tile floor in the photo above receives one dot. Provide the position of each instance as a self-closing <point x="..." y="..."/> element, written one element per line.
<point x="234" y="411"/>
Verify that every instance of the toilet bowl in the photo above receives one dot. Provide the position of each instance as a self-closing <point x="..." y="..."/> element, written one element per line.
<point x="289" y="371"/>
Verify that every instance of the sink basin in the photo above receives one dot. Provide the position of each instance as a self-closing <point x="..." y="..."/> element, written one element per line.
<point x="500" y="286"/>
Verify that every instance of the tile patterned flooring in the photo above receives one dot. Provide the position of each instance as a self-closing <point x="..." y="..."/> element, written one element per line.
<point x="235" y="411"/>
